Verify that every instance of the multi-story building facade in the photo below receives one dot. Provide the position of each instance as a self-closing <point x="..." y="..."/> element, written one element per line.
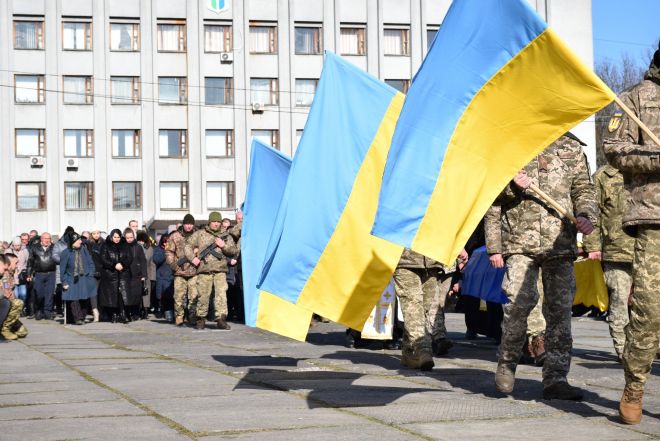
<point x="144" y="109"/>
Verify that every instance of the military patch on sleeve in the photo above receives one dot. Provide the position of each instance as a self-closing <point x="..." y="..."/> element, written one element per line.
<point x="615" y="121"/>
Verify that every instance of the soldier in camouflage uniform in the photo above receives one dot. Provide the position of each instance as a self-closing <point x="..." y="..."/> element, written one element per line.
<point x="422" y="285"/>
<point x="212" y="269"/>
<point x="635" y="154"/>
<point x="529" y="235"/>
<point x="614" y="247"/>
<point x="184" y="273"/>
<point x="536" y="327"/>
<point x="12" y="328"/>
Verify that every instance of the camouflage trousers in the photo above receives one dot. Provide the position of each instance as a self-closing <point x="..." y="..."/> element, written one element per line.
<point x="536" y="321"/>
<point x="644" y="327"/>
<point x="184" y="287"/>
<point x="422" y="294"/>
<point x="520" y="286"/>
<point x="618" y="278"/>
<point x="14" y="314"/>
<point x="205" y="284"/>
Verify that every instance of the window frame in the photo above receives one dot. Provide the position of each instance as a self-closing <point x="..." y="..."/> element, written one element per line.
<point x="316" y="85"/>
<point x="405" y="84"/>
<point x="89" y="36"/>
<point x="318" y="40"/>
<point x="90" y="195"/>
<point x="43" y="195"/>
<point x="431" y="27"/>
<point x="136" y="42"/>
<point x="272" y="93"/>
<point x="41" y="41"/>
<point x="89" y="143"/>
<point x="274" y="136"/>
<point x="182" y="35"/>
<point x="229" y="143"/>
<point x="137" y="193"/>
<point x="183" y="92"/>
<point x="41" y="139"/>
<point x="362" y="38"/>
<point x="228" y="91"/>
<point x="41" y="89"/>
<point x="183" y="144"/>
<point x="405" y="39"/>
<point x="227" y="36"/>
<point x="273" y="37"/>
<point x="231" y="195"/>
<point x="136" y="91"/>
<point x="184" y="202"/>
<point x="137" y="143"/>
<point x="89" y="90"/>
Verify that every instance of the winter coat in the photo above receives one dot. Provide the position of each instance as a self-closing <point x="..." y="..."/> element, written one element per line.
<point x="94" y="249"/>
<point x="151" y="266"/>
<point x="82" y="285"/>
<point x="40" y="260"/>
<point x="164" y="276"/>
<point x="138" y="271"/>
<point x="114" y="283"/>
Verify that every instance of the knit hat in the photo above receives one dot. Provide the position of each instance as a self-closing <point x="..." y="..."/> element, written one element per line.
<point x="188" y="219"/>
<point x="73" y="237"/>
<point x="214" y="216"/>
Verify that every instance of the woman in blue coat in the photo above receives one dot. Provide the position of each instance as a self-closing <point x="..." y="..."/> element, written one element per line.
<point x="77" y="274"/>
<point x="164" y="280"/>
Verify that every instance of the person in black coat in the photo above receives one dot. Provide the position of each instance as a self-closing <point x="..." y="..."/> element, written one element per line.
<point x="164" y="281"/>
<point x="94" y="244"/>
<point x="116" y="262"/>
<point x="138" y="271"/>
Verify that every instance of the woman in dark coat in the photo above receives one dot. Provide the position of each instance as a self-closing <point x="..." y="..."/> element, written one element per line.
<point x="164" y="281"/>
<point x="77" y="274"/>
<point x="94" y="244"/>
<point x="138" y="271"/>
<point x="115" y="276"/>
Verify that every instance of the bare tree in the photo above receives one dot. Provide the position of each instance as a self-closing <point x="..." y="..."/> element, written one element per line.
<point x="618" y="76"/>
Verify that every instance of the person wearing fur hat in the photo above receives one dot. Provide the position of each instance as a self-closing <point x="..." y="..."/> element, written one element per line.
<point x="77" y="274"/>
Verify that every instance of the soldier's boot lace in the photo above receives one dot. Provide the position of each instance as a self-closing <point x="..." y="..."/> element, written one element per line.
<point x="630" y="407"/>
<point x="222" y="322"/>
<point x="537" y="349"/>
<point x="505" y="376"/>
<point x="562" y="391"/>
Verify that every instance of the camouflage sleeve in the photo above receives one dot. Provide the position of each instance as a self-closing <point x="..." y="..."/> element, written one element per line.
<point x="170" y="253"/>
<point x="624" y="149"/>
<point x="583" y="193"/>
<point x="493" y="229"/>
<point x="230" y="249"/>
<point x="191" y="245"/>
<point x="593" y="241"/>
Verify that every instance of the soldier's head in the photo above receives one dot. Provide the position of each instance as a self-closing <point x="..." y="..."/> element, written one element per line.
<point x="13" y="261"/>
<point x="188" y="223"/>
<point x="226" y="223"/>
<point x="45" y="239"/>
<point x="4" y="263"/>
<point x="215" y="220"/>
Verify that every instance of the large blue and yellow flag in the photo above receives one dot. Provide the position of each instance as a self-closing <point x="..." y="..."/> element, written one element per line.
<point x="321" y="256"/>
<point x="269" y="171"/>
<point x="496" y="88"/>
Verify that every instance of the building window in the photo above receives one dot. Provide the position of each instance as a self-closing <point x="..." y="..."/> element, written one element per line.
<point x="431" y="31"/>
<point x="30" y="142"/>
<point x="173" y="144"/>
<point x="305" y="90"/>
<point x="268" y="137"/>
<point x="28" y="34"/>
<point x="78" y="90"/>
<point x="308" y="40"/>
<point x="29" y="89"/>
<point x="172" y="90"/>
<point x="78" y="143"/>
<point x="173" y="195"/>
<point x="352" y="40"/>
<point x="219" y="143"/>
<point x="172" y="37"/>
<point x="220" y="195"/>
<point x="396" y="41"/>
<point x="78" y="195"/>
<point x="264" y="90"/>
<point x="400" y="85"/>
<point x="125" y="36"/>
<point x="218" y="90"/>
<point x="299" y="134"/>
<point x="217" y="38"/>
<point x="77" y="35"/>
<point x="126" y="195"/>
<point x="125" y="90"/>
<point x="30" y="196"/>
<point x="263" y="38"/>
<point x="126" y="143"/>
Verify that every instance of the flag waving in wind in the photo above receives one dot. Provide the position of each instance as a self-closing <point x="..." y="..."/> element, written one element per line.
<point x="321" y="255"/>
<point x="496" y="88"/>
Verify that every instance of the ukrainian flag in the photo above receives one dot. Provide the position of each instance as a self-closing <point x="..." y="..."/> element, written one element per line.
<point x="321" y="256"/>
<point x="497" y="87"/>
<point x="269" y="171"/>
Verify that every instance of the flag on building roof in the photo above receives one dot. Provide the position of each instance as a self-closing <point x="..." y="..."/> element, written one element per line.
<point x="497" y="87"/>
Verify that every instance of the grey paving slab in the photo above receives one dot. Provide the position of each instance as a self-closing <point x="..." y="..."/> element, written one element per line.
<point x="322" y="433"/>
<point x="70" y="409"/>
<point x="49" y="397"/>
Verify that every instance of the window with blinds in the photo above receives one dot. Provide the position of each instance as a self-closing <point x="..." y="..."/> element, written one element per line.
<point x="353" y="39"/>
<point x="172" y="36"/>
<point x="396" y="41"/>
<point x="28" y="34"/>
<point x="217" y="37"/>
<point x="308" y="39"/>
<point x="78" y="195"/>
<point x="263" y="38"/>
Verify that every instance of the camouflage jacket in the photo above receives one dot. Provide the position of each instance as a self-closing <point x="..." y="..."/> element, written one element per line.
<point x="412" y="260"/>
<point x="519" y="222"/>
<point x="635" y="154"/>
<point x="176" y="249"/>
<point x="201" y="240"/>
<point x="608" y="236"/>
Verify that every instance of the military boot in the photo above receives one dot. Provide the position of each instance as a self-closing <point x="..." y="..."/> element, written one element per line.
<point x="178" y="320"/>
<point x="20" y="330"/>
<point x="442" y="346"/>
<point x="422" y="360"/>
<point x="630" y="407"/>
<point x="537" y="349"/>
<point x="201" y="322"/>
<point x="505" y="376"/>
<point x="562" y="391"/>
<point x="222" y="322"/>
<point x="7" y="334"/>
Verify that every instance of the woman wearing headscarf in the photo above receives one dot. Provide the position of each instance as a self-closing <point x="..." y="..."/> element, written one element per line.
<point x="164" y="281"/>
<point x="94" y="244"/>
<point x="77" y="274"/>
<point x="138" y="276"/>
<point x="116" y="261"/>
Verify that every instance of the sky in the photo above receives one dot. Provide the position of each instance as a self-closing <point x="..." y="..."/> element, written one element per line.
<point x="625" y="26"/>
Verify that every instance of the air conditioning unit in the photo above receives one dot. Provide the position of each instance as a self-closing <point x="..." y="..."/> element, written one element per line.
<point x="37" y="161"/>
<point x="226" y="57"/>
<point x="257" y="107"/>
<point x="72" y="163"/>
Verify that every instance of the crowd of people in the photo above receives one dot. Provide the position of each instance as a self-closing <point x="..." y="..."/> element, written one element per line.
<point x="123" y="276"/>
